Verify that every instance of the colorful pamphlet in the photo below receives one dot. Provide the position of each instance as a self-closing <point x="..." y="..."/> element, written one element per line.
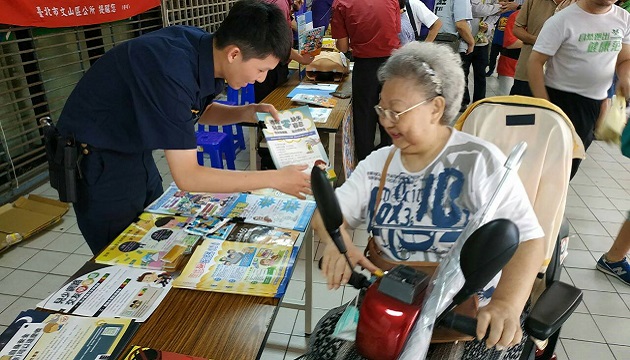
<point x="294" y="141"/>
<point x="110" y="291"/>
<point x="310" y="41"/>
<point x="25" y="317"/>
<point x="262" y="234"/>
<point x="271" y="210"/>
<point x="182" y="203"/>
<point x="154" y="241"/>
<point x="238" y="231"/>
<point x="287" y="213"/>
<point x="213" y="228"/>
<point x="320" y="115"/>
<point x="318" y="100"/>
<point x="309" y="38"/>
<point x="145" y="353"/>
<point x="61" y="336"/>
<point x="313" y="89"/>
<point x="238" y="267"/>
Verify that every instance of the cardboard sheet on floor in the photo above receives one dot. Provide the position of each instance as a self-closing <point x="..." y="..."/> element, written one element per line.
<point x="27" y="216"/>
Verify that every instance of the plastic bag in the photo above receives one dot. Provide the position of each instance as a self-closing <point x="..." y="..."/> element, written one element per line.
<point x="614" y="120"/>
<point x="346" y="328"/>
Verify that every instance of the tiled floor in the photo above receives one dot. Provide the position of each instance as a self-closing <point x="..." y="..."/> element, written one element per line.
<point x="599" y="196"/>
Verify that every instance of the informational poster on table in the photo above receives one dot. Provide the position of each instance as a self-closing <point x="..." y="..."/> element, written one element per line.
<point x="287" y="213"/>
<point x="241" y="268"/>
<point x="183" y="203"/>
<point x="153" y="241"/>
<point x="110" y="291"/>
<point x="62" y="336"/>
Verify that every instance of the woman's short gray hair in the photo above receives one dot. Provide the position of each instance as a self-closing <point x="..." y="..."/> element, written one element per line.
<point x="436" y="69"/>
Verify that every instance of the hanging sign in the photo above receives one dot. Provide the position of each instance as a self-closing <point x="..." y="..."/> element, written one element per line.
<point x="65" y="13"/>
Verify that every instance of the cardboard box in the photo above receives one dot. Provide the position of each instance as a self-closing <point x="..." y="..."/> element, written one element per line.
<point x="27" y="216"/>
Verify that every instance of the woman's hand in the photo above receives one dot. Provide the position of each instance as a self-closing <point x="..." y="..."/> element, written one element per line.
<point x="335" y="267"/>
<point x="505" y="324"/>
<point x="293" y="180"/>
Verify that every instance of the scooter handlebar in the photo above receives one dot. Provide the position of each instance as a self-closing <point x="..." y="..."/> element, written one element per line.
<point x="463" y="324"/>
<point x="357" y="280"/>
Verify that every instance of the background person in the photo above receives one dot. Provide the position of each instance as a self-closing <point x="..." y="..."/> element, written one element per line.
<point x="583" y="46"/>
<point x="370" y="28"/>
<point x="508" y="59"/>
<point x="528" y="24"/>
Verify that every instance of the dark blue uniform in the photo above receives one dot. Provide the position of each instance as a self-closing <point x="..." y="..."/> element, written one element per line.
<point x="140" y="96"/>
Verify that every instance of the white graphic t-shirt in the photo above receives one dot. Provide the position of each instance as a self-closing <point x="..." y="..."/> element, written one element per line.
<point x="421" y="214"/>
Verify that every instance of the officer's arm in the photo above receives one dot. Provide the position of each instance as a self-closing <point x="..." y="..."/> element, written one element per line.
<point x="220" y="114"/>
<point x="189" y="176"/>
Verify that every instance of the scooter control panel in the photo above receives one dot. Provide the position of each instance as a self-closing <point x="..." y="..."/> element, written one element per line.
<point x="404" y="283"/>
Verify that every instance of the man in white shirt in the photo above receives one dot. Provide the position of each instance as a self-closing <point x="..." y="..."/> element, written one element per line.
<point x="422" y="16"/>
<point x="582" y="45"/>
<point x="455" y="16"/>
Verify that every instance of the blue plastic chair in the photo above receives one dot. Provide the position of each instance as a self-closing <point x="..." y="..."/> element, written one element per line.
<point x="234" y="132"/>
<point x="216" y="145"/>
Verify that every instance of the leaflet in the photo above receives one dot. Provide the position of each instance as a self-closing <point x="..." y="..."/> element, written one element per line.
<point x="320" y="115"/>
<point x="313" y="89"/>
<point x="241" y="268"/>
<point x="190" y="204"/>
<point x="154" y="241"/>
<point x="287" y="213"/>
<point x="318" y="100"/>
<point x="294" y="140"/>
<point x="110" y="291"/>
<point x="62" y="336"/>
<point x="309" y="38"/>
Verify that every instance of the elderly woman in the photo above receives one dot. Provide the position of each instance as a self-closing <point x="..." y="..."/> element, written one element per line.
<point x="435" y="180"/>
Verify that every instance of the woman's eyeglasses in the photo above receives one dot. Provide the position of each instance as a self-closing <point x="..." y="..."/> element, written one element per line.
<point x="393" y="116"/>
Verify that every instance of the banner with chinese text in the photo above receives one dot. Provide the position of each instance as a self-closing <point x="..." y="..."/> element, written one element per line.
<point x="65" y="13"/>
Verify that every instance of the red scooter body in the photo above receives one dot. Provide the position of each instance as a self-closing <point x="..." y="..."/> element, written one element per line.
<point x="385" y="323"/>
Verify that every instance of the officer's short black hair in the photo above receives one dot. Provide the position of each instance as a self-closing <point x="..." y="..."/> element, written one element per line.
<point x="258" y="29"/>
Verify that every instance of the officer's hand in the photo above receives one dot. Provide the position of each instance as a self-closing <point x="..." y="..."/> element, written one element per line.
<point x="263" y="108"/>
<point x="294" y="181"/>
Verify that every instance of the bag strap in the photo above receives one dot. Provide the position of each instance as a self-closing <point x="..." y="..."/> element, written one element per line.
<point x="412" y="20"/>
<point x="381" y="185"/>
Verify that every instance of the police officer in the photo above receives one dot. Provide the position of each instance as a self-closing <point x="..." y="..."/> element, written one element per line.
<point x="147" y="93"/>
